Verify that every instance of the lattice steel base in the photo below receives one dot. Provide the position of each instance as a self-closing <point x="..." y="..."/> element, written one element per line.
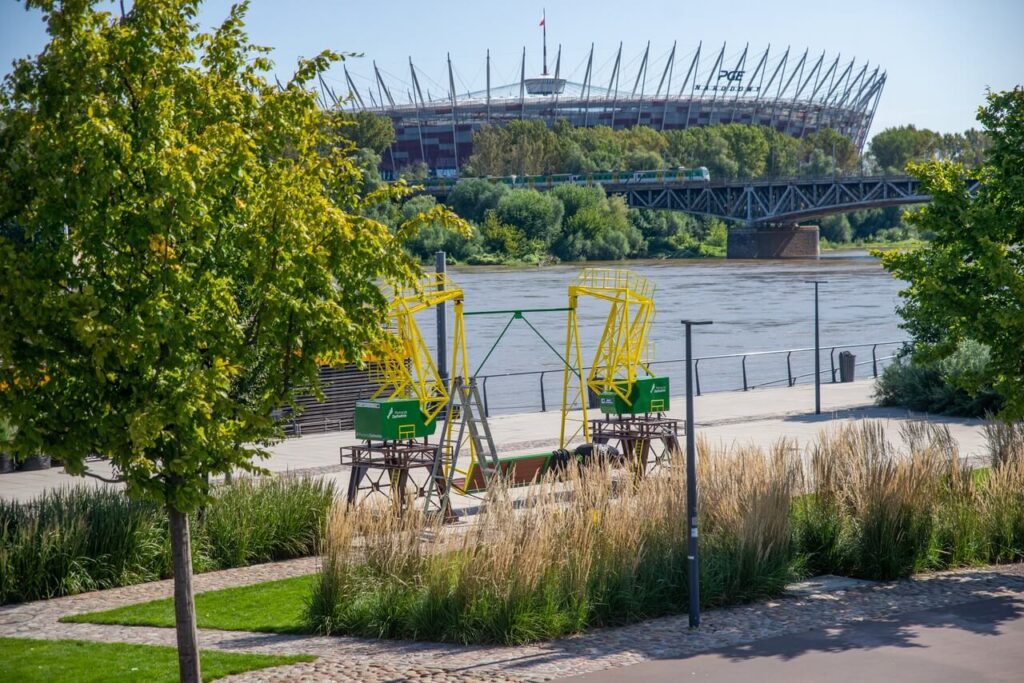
<point x="385" y="468"/>
<point x="646" y="441"/>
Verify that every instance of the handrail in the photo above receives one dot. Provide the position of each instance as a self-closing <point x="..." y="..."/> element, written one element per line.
<point x="790" y="378"/>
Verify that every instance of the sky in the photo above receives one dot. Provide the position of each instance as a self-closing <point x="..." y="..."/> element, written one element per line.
<point x="940" y="55"/>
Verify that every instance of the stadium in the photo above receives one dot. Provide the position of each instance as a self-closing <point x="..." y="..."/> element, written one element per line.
<point x="792" y="91"/>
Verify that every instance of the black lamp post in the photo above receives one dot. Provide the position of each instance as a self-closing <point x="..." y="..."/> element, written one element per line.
<point x="692" y="555"/>
<point x="817" y="350"/>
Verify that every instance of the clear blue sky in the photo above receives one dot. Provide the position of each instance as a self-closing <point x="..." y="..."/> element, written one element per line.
<point x="940" y="55"/>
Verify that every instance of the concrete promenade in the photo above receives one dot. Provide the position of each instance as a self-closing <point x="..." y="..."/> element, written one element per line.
<point x="759" y="417"/>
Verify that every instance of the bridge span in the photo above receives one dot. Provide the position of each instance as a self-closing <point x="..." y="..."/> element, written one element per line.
<point x="752" y="202"/>
<point x="767" y="211"/>
<point x="782" y="201"/>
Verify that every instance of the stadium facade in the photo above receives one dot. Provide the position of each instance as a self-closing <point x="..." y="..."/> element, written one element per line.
<point x="794" y="92"/>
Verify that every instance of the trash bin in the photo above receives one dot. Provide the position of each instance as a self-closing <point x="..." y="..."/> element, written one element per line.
<point x="847" y="366"/>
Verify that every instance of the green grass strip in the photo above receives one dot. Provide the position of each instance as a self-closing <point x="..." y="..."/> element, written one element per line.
<point x="82" y="661"/>
<point x="274" y="607"/>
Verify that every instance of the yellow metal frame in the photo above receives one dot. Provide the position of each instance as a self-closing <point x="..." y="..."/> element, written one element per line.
<point x="623" y="349"/>
<point x="406" y="368"/>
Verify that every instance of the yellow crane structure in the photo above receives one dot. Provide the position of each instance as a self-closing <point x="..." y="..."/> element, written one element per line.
<point x="412" y="397"/>
<point x="405" y="369"/>
<point x="631" y="398"/>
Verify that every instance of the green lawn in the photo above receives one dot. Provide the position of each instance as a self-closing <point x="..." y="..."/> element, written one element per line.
<point x="84" y="662"/>
<point x="869" y="245"/>
<point x="275" y="606"/>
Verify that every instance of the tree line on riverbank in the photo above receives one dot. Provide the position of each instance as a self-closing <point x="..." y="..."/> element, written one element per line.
<point x="589" y="225"/>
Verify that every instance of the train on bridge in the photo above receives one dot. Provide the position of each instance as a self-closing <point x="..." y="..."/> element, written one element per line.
<point x="546" y="182"/>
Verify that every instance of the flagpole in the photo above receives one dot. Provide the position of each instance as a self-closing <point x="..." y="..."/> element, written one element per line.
<point x="544" y="25"/>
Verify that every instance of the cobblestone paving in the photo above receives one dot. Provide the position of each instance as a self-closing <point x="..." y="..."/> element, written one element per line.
<point x="352" y="659"/>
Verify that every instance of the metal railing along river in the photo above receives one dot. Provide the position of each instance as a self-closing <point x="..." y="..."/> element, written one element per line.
<point x="743" y="374"/>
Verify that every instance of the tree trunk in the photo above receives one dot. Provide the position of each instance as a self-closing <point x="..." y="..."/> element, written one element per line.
<point x="184" y="599"/>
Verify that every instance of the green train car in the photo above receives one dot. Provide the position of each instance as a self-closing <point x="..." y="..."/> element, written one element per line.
<point x="545" y="182"/>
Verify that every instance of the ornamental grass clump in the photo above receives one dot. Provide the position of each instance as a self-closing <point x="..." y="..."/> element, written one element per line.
<point x="74" y="540"/>
<point x="872" y="510"/>
<point x="262" y="520"/>
<point x="867" y="510"/>
<point x="1003" y="493"/>
<point x="592" y="549"/>
<point x="86" y="538"/>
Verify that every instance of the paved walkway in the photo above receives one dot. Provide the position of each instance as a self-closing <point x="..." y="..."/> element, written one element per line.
<point x="744" y="629"/>
<point x="758" y="417"/>
<point x="978" y="641"/>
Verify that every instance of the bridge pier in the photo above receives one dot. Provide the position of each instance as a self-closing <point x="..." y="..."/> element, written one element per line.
<point x="773" y="242"/>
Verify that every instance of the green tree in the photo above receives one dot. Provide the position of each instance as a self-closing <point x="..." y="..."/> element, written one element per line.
<point x="601" y="145"/>
<point x="783" y="157"/>
<point x="894" y="147"/>
<point x="704" y="146"/>
<point x="488" y="158"/>
<point x="836" y="228"/>
<point x="538" y="215"/>
<point x="664" y="232"/>
<point x="598" y="229"/>
<point x="365" y="129"/>
<point x="472" y="198"/>
<point x="435" y="236"/>
<point x="828" y="147"/>
<point x="748" y="148"/>
<point x="576" y="197"/>
<point x="967" y="283"/>
<point x="505" y="240"/>
<point x="642" y="160"/>
<point x="181" y="244"/>
<point x="415" y="173"/>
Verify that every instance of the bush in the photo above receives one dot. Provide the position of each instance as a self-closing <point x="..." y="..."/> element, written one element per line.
<point x="614" y="553"/>
<point x="869" y="510"/>
<point x="84" y="538"/>
<point x="435" y="237"/>
<point x="537" y="215"/>
<point x="949" y="386"/>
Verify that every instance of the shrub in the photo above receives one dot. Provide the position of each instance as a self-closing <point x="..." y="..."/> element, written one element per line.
<point x="948" y="386"/>
<point x="85" y="538"/>
<point x="599" y="550"/>
<point x="257" y="520"/>
<point x="613" y="553"/>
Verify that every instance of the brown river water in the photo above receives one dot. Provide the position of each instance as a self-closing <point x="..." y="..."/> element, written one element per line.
<point x="755" y="306"/>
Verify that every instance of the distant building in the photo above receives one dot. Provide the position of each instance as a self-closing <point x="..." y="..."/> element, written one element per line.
<point x="795" y="93"/>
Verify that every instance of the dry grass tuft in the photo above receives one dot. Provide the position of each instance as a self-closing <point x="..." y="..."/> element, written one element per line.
<point x="596" y="549"/>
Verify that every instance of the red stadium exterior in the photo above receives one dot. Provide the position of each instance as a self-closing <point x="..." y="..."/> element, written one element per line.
<point x="794" y="96"/>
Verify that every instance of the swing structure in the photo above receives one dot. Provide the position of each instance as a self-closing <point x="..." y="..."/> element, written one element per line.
<point x="412" y="396"/>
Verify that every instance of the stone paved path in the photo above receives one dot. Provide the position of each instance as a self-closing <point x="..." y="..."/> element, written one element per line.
<point x="343" y="659"/>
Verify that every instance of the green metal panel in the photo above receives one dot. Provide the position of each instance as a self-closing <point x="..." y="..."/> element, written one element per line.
<point x="391" y="420"/>
<point x="648" y="395"/>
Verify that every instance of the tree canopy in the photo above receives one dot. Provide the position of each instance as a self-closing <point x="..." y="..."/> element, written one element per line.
<point x="967" y="283"/>
<point x="182" y="244"/>
<point x="729" y="151"/>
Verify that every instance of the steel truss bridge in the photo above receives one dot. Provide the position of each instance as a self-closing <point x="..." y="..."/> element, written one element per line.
<point x="780" y="201"/>
<point x="766" y="202"/>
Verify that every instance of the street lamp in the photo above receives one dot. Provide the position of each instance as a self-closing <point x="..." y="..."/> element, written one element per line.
<point x="692" y="556"/>
<point x="817" y="349"/>
<point x="440" y="266"/>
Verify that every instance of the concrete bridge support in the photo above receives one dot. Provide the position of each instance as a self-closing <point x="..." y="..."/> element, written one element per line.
<point x="773" y="242"/>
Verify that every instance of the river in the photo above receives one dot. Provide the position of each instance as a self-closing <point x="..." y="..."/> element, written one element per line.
<point x="755" y="306"/>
